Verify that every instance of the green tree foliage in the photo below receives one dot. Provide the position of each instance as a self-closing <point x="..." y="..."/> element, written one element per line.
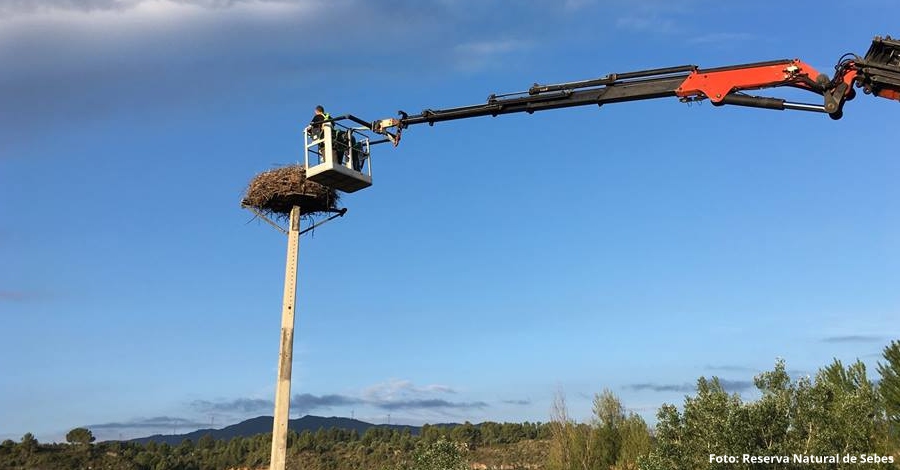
<point x="889" y="388"/>
<point x="611" y="439"/>
<point x="379" y="448"/>
<point x="429" y="433"/>
<point x="838" y="413"/>
<point x="635" y="442"/>
<point x="207" y="442"/>
<point x="440" y="455"/>
<point x="609" y="416"/>
<point x="468" y="434"/>
<point x="7" y="447"/>
<point x="80" y="436"/>
<point x="28" y="445"/>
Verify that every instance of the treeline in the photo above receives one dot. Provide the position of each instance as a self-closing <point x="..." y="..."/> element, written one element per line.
<point x="840" y="412"/>
<point x="378" y="447"/>
<point x="840" y="418"/>
<point x="814" y="422"/>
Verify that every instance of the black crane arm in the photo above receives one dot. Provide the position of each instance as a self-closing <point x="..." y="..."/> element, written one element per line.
<point x="611" y="89"/>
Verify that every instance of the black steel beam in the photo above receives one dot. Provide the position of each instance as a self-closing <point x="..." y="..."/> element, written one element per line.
<point x="611" y="78"/>
<point x="615" y="92"/>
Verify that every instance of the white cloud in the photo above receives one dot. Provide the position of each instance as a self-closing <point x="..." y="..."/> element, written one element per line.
<point x="485" y="48"/>
<point x="657" y="16"/>
<point x="108" y="23"/>
<point x="73" y="62"/>
<point x="70" y="63"/>
<point x="575" y="5"/>
<point x="115" y="24"/>
<point x="479" y="54"/>
<point x="648" y="23"/>
<point x="719" y="38"/>
<point x="394" y="389"/>
<point x="20" y="8"/>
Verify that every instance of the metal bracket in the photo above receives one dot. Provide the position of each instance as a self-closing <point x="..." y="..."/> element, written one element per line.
<point x="266" y="219"/>
<point x="338" y="213"/>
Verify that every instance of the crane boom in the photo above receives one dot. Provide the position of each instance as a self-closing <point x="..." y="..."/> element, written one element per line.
<point x="342" y="149"/>
<point x="878" y="73"/>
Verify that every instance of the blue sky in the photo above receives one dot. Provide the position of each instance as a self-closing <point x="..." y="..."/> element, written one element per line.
<point x="494" y="262"/>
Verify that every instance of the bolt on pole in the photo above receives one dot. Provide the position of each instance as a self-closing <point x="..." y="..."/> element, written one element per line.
<point x="286" y="352"/>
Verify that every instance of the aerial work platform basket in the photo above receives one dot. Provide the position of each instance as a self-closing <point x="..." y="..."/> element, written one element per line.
<point x="338" y="156"/>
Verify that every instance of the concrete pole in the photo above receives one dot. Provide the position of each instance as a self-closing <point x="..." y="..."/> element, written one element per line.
<point x="286" y="353"/>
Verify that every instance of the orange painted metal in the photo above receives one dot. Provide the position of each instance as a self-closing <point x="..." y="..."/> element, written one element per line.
<point x="716" y="83"/>
<point x="889" y="94"/>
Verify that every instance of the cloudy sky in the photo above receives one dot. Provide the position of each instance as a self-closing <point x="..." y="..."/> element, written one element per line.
<point x="495" y="261"/>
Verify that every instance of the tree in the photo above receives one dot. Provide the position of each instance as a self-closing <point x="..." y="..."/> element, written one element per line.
<point x="670" y="441"/>
<point x="468" y="434"/>
<point x="611" y="440"/>
<point x="29" y="444"/>
<point x="771" y="414"/>
<point x="7" y="448"/>
<point x="80" y="436"/>
<point x="566" y="446"/>
<point x="609" y="414"/>
<point x="846" y="410"/>
<point x="440" y="455"/>
<point x="635" y="442"/>
<point x="889" y="388"/>
<point x="208" y="442"/>
<point x="490" y="433"/>
<point x="837" y="414"/>
<point x="577" y="446"/>
<point x="428" y="433"/>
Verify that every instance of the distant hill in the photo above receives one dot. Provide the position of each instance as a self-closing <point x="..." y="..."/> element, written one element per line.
<point x="263" y="424"/>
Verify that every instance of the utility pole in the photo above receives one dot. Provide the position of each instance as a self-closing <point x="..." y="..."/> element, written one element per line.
<point x="286" y="351"/>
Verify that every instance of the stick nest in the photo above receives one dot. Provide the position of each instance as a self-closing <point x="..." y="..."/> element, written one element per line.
<point x="275" y="192"/>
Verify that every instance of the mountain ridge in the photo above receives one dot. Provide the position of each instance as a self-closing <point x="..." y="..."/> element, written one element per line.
<point x="263" y="424"/>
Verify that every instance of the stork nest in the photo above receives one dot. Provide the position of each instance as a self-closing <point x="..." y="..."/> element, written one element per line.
<point x="276" y="192"/>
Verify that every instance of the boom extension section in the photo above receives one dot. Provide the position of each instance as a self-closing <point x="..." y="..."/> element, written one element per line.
<point x="878" y="73"/>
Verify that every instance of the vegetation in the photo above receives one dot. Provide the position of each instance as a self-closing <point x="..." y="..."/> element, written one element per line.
<point x="610" y="440"/>
<point x="803" y="422"/>
<point x="795" y="424"/>
<point x="80" y="436"/>
<point x="889" y="388"/>
<point x="438" y="447"/>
